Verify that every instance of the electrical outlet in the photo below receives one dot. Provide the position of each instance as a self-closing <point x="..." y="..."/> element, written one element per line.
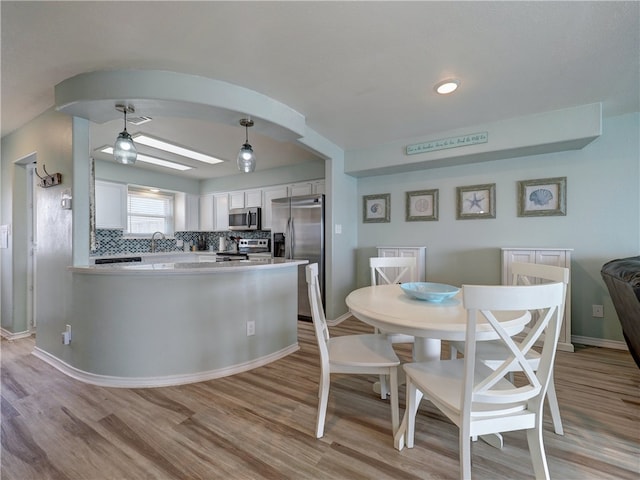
<point x="66" y="336"/>
<point x="598" y="311"/>
<point x="251" y="328"/>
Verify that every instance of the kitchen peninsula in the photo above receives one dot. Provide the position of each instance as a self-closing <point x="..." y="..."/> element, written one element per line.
<point x="158" y="324"/>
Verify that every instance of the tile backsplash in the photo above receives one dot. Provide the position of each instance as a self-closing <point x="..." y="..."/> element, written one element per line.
<point x="112" y="242"/>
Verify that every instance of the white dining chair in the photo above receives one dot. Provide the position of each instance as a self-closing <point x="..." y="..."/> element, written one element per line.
<point x="481" y="400"/>
<point x="356" y="354"/>
<point x="390" y="270"/>
<point x="386" y="271"/>
<point x="493" y="353"/>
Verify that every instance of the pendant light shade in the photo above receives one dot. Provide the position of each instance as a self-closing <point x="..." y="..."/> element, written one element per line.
<point x="124" y="150"/>
<point x="246" y="157"/>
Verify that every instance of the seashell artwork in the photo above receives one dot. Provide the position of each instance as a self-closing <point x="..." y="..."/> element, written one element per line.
<point x="541" y="196"/>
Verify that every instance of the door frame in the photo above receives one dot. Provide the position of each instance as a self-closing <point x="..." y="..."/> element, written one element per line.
<point x="31" y="182"/>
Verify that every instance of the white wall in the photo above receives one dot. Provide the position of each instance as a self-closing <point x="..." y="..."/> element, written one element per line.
<point x="602" y="221"/>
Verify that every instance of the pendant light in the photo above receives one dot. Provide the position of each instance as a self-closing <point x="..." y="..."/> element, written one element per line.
<point x="246" y="157"/>
<point x="124" y="150"/>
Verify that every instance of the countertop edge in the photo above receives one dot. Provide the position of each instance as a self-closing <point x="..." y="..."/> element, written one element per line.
<point x="188" y="268"/>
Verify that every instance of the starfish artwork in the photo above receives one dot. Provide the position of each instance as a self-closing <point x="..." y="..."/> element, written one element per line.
<point x="475" y="202"/>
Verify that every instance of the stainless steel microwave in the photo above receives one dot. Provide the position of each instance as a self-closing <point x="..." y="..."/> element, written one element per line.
<point x="243" y="219"/>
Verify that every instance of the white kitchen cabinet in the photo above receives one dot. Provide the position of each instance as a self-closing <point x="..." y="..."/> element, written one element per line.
<point x="270" y="194"/>
<point x="236" y="199"/>
<point x="111" y="205"/>
<point x="304" y="188"/>
<point x="317" y="186"/>
<point x="186" y="209"/>
<point x="221" y="212"/>
<point x="560" y="257"/>
<point x="261" y="197"/>
<point x="253" y="198"/>
<point x="420" y="253"/>
<point x="192" y="212"/>
<point x="245" y="198"/>
<point x="206" y="213"/>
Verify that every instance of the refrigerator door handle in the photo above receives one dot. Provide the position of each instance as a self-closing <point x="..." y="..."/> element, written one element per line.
<point x="292" y="239"/>
<point x="287" y="240"/>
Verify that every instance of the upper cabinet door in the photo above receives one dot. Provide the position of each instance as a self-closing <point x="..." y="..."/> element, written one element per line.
<point x="300" y="189"/>
<point x="270" y="194"/>
<point x="318" y="187"/>
<point x="221" y="208"/>
<point x="111" y="205"/>
<point x="206" y="213"/>
<point x="192" y="212"/>
<point x="236" y="200"/>
<point x="253" y="198"/>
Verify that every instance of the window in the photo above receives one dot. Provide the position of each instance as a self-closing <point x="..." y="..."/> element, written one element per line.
<point x="149" y="212"/>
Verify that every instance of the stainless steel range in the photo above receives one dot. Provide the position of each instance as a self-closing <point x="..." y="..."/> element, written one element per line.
<point x="255" y="247"/>
<point x="248" y="248"/>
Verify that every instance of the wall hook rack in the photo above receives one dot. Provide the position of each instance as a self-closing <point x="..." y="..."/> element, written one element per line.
<point x="48" y="180"/>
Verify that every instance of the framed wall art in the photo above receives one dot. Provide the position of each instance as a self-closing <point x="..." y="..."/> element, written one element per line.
<point x="542" y="197"/>
<point x="422" y="205"/>
<point x="376" y="208"/>
<point x="476" y="201"/>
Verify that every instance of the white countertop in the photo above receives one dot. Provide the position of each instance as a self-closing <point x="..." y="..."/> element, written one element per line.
<point x="187" y="267"/>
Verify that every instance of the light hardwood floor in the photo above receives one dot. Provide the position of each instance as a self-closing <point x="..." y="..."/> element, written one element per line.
<point x="260" y="424"/>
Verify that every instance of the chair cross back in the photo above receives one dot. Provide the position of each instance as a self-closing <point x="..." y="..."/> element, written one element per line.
<point x="402" y="267"/>
<point x="481" y="303"/>
<point x="535" y="274"/>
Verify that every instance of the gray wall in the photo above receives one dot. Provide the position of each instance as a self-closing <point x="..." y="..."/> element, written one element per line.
<point x="602" y="221"/>
<point x="115" y="172"/>
<point x="50" y="137"/>
<point x="265" y="178"/>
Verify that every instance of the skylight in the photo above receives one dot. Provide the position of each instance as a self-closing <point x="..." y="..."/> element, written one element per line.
<point x="143" y="139"/>
<point x="153" y="160"/>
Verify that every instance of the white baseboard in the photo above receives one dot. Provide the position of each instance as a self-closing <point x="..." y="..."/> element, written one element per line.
<point x="599" y="342"/>
<point x="14" y="336"/>
<point x="169" y="380"/>
<point x="339" y="320"/>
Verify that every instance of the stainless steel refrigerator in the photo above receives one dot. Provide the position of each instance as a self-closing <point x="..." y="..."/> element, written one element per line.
<point x="297" y="232"/>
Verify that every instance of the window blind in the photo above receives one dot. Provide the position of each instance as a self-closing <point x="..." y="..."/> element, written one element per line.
<point x="149" y="212"/>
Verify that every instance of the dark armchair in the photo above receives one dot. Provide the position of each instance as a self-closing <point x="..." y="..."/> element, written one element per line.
<point x="622" y="278"/>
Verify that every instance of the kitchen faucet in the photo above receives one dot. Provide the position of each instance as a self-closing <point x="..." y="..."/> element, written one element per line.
<point x="153" y="241"/>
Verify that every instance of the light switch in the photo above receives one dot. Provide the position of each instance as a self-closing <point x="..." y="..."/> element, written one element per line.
<point x="338" y="228"/>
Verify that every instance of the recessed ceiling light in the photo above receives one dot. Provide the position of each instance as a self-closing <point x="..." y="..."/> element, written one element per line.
<point x="447" y="86"/>
<point x="143" y="139"/>
<point x="153" y="160"/>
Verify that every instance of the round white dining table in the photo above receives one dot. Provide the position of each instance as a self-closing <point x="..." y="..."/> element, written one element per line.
<point x="389" y="309"/>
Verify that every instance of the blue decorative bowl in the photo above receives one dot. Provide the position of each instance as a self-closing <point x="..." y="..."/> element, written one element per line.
<point x="431" y="292"/>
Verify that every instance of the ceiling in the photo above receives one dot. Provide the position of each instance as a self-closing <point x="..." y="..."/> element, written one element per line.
<point x="361" y="73"/>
